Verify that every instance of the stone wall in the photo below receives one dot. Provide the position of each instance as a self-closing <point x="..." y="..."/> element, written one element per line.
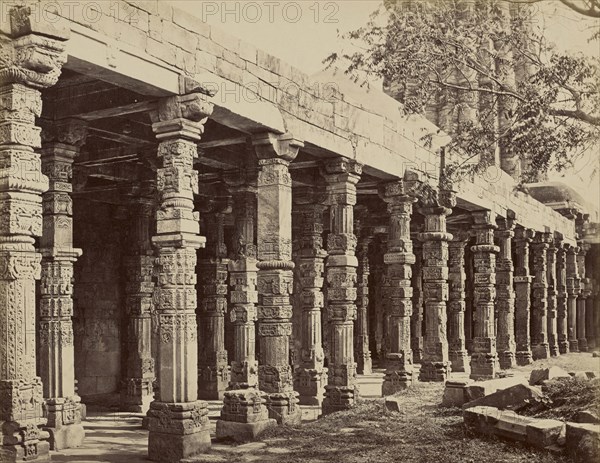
<point x="98" y="298"/>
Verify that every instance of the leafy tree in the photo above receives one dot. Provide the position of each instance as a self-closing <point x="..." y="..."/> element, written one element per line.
<point x="487" y="71"/>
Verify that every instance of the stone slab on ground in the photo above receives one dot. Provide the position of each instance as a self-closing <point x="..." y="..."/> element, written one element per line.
<point x="540" y="375"/>
<point x="583" y="442"/>
<point x="481" y="419"/>
<point x="513" y="426"/>
<point x="511" y="398"/>
<point x="544" y="433"/>
<point x="478" y="389"/>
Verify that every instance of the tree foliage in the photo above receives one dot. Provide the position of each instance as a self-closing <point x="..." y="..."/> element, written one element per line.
<point x="507" y="88"/>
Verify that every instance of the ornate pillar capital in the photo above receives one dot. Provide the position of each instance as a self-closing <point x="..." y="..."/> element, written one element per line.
<point x="270" y="147"/>
<point x="181" y="117"/>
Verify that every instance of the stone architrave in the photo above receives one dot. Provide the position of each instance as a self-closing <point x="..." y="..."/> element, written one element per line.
<point x="362" y="352"/>
<point x="457" y="348"/>
<point x="581" y="299"/>
<point x="61" y="142"/>
<point x="505" y="294"/>
<point x="522" y="280"/>
<point x="561" y="296"/>
<point x="539" y="314"/>
<point x="398" y="260"/>
<point x="484" y="358"/>
<point x="137" y="391"/>
<point x="275" y="273"/>
<point x="31" y="58"/>
<point x="573" y="291"/>
<point x="213" y="367"/>
<point x="177" y="421"/>
<point x="341" y="176"/>
<point x="552" y="298"/>
<point x="417" y="318"/>
<point x="311" y="376"/>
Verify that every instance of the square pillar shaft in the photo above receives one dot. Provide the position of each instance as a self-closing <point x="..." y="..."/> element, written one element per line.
<point x="457" y="347"/>
<point x="539" y="316"/>
<point x="505" y="295"/>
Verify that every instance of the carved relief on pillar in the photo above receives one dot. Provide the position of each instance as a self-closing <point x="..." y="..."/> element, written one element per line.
<point x="29" y="61"/>
<point x="522" y="279"/>
<point x="551" y="256"/>
<point x="398" y="260"/>
<point x="435" y="365"/>
<point x="275" y="276"/>
<point x="505" y="295"/>
<point x="362" y="352"/>
<point x="484" y="359"/>
<point x="573" y="291"/>
<point x="583" y="295"/>
<point x="539" y="315"/>
<point x="418" y="317"/>
<point x="457" y="347"/>
<point x="561" y="296"/>
<point x="341" y="176"/>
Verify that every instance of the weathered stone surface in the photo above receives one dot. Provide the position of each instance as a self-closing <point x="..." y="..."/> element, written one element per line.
<point x="242" y="432"/>
<point x="511" y="398"/>
<point x="454" y="393"/>
<point x="544" y="433"/>
<point x="583" y="442"/>
<point x="513" y="426"/>
<point x="482" y="388"/>
<point x="481" y="419"/>
<point x="587" y="416"/>
<point x="543" y="374"/>
<point x="393" y="404"/>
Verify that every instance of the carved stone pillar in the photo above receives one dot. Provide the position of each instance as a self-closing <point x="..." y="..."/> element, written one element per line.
<point x="341" y="176"/>
<point x="484" y="359"/>
<point x="583" y="295"/>
<point x="178" y="421"/>
<point x="561" y="299"/>
<point x="378" y="306"/>
<point x="213" y="368"/>
<point x="539" y="314"/>
<point x="435" y="365"/>
<point x="362" y="353"/>
<point x="137" y="390"/>
<point x="505" y="295"/>
<point x="457" y="348"/>
<point x="417" y="318"/>
<point x="573" y="290"/>
<point x="398" y="260"/>
<point x="552" y="302"/>
<point x="523" y="279"/>
<point x="311" y="376"/>
<point x="275" y="277"/>
<point x="31" y="58"/>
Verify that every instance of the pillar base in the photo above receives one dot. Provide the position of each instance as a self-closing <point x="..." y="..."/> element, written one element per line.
<point x="434" y="371"/>
<point x="574" y="345"/>
<point x="507" y="359"/>
<point x="553" y="349"/>
<point x="177" y="431"/>
<point x="244" y="415"/>
<point x="36" y="452"/>
<point x="459" y="361"/>
<point x="398" y="375"/>
<point x="283" y="407"/>
<point x="364" y="365"/>
<point x="310" y="384"/>
<point x="563" y="347"/>
<point x="69" y="436"/>
<point x="339" y="398"/>
<point x="136" y="395"/>
<point x="484" y="366"/>
<point x="583" y="346"/>
<point x="523" y="357"/>
<point x="540" y="351"/>
<point x="242" y="432"/>
<point x="213" y="382"/>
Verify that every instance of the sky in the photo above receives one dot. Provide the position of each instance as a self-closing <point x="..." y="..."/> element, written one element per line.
<point x="304" y="32"/>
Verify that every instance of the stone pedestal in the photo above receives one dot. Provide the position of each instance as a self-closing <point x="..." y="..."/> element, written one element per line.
<point x="505" y="295"/>
<point x="484" y="359"/>
<point x="522" y="280"/>
<point x="417" y="317"/>
<point x="29" y="63"/>
<point x="435" y="364"/>
<point x="561" y="298"/>
<point x="61" y="143"/>
<point x="457" y="348"/>
<point x="398" y="260"/>
<point x="341" y="176"/>
<point x="552" y="299"/>
<point x="177" y="420"/>
<point x="311" y="376"/>
<point x="275" y="277"/>
<point x="539" y="315"/>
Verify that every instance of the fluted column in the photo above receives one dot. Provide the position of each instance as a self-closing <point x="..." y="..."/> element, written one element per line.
<point x="275" y="276"/>
<point x="178" y="421"/>
<point x="505" y="295"/>
<point x="311" y="376"/>
<point x="30" y="61"/>
<point x="552" y="299"/>
<point x="457" y="348"/>
<point x="561" y="297"/>
<point x="137" y="390"/>
<point x="400" y="196"/>
<point x="522" y="280"/>
<point x="417" y="318"/>
<point x="213" y="367"/>
<point x="341" y="176"/>
<point x="539" y="313"/>
<point x="435" y="364"/>
<point x="484" y="359"/>
<point x="362" y="352"/>
<point x="583" y="295"/>
<point x="573" y="290"/>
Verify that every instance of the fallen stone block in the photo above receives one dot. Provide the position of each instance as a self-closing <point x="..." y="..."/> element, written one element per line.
<point x="544" y="433"/>
<point x="543" y="374"/>
<point x="578" y="374"/>
<point x="583" y="442"/>
<point x="591" y="374"/>
<point x="587" y="416"/>
<point x="242" y="432"/>
<point x="481" y="419"/>
<point x="512" y="426"/>
<point x="454" y="393"/>
<point x="596" y="354"/>
<point x="511" y="398"/>
<point x="392" y="404"/>
<point x="479" y="389"/>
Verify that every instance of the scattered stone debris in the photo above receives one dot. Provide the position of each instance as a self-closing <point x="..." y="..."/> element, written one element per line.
<point x="540" y="375"/>
<point x="392" y="404"/>
<point x="587" y="416"/>
<point x="512" y="398"/>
